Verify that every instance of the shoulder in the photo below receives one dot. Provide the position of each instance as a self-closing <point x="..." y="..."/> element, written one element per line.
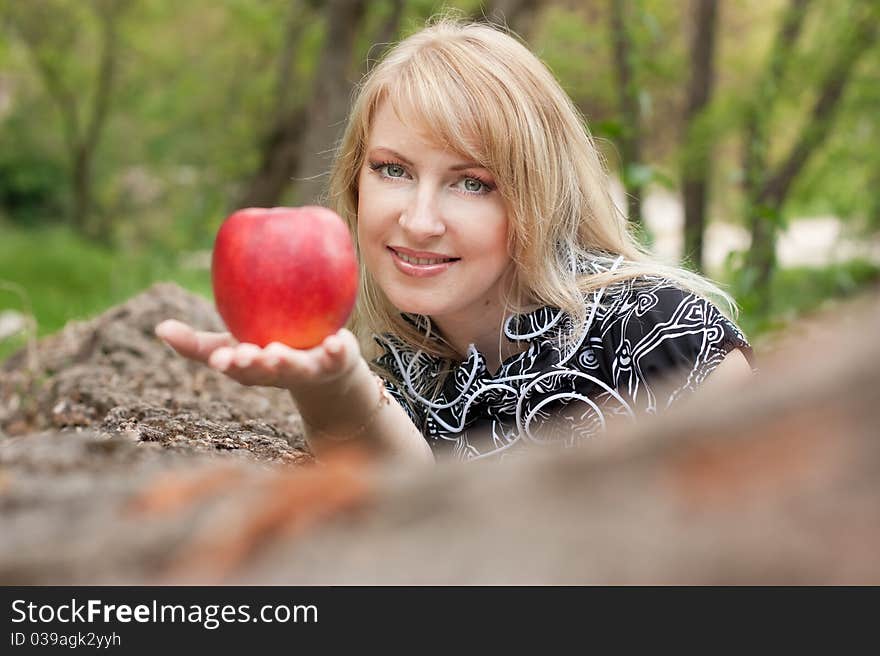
<point x="651" y="308"/>
<point x="653" y="332"/>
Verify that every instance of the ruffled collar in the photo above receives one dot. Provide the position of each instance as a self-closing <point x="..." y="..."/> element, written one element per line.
<point x="526" y="326"/>
<point x="545" y="329"/>
<point x="469" y="389"/>
<point x="541" y="324"/>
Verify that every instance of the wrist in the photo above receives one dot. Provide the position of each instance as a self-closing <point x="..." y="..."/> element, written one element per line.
<point x="343" y="411"/>
<point x="337" y="386"/>
<point x="318" y="400"/>
<point x="370" y="401"/>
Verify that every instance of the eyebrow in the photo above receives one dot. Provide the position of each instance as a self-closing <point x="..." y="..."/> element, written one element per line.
<point x="457" y="167"/>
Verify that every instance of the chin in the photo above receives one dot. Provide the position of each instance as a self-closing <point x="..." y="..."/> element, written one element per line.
<point x="416" y="307"/>
<point x="410" y="303"/>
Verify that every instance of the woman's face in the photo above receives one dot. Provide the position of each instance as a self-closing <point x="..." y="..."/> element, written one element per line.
<point x="432" y="227"/>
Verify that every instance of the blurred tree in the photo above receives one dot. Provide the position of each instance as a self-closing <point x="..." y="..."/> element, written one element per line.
<point x="874" y="209"/>
<point x="518" y="15"/>
<point x="696" y="159"/>
<point x="301" y="138"/>
<point x="32" y="182"/>
<point x="767" y="187"/>
<point x="630" y="137"/>
<point x="48" y="29"/>
<point x="385" y="36"/>
<point x="281" y="144"/>
<point x="842" y="179"/>
<point x="329" y="103"/>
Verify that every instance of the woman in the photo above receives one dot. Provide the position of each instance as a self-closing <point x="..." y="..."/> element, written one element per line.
<point x="503" y="302"/>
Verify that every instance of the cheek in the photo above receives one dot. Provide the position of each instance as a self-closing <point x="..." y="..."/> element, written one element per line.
<point x="371" y="217"/>
<point x="493" y="241"/>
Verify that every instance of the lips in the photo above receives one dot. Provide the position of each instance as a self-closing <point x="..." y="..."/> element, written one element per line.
<point x="421" y="260"/>
<point x="420" y="264"/>
<point x="421" y="255"/>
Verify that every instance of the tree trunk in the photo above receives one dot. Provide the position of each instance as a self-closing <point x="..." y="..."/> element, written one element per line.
<point x="874" y="209"/>
<point x="81" y="164"/>
<point x="82" y="135"/>
<point x="630" y="139"/>
<point x="762" y="220"/>
<point x="278" y="161"/>
<point x="100" y="227"/>
<point x="822" y="115"/>
<point x="329" y="104"/>
<point x="771" y="195"/>
<point x="280" y="145"/>
<point x="283" y="146"/>
<point x="696" y="169"/>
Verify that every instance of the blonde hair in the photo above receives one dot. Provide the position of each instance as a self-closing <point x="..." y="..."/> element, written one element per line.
<point x="481" y="93"/>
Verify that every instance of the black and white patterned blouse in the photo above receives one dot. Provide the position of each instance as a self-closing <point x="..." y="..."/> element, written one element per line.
<point x="645" y="344"/>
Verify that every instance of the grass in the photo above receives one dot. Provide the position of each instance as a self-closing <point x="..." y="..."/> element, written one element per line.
<point x="799" y="291"/>
<point x="65" y="277"/>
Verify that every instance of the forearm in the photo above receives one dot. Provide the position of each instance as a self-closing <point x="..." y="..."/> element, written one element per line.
<point x="357" y="409"/>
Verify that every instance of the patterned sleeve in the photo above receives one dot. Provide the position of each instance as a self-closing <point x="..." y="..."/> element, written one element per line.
<point x="661" y="343"/>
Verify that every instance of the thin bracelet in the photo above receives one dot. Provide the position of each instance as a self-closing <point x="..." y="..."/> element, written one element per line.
<point x="384" y="399"/>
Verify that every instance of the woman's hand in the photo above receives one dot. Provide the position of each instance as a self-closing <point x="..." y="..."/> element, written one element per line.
<point x="276" y="365"/>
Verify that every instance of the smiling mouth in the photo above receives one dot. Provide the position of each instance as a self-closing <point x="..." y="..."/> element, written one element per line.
<point x="423" y="261"/>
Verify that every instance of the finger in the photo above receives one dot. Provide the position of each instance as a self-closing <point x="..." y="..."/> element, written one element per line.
<point x="333" y="344"/>
<point x="281" y="363"/>
<point x="208" y="342"/>
<point x="178" y="335"/>
<point x="245" y="354"/>
<point x="196" y="345"/>
<point x="342" y="347"/>
<point x="221" y="358"/>
<point x="248" y="367"/>
<point x="295" y="364"/>
<point x="318" y="360"/>
<point x="348" y="340"/>
<point x="331" y="354"/>
<point x="274" y="354"/>
<point x="326" y="362"/>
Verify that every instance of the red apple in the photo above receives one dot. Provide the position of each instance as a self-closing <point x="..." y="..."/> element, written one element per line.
<point x="285" y="274"/>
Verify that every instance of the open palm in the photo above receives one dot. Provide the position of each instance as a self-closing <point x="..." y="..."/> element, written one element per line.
<point x="275" y="365"/>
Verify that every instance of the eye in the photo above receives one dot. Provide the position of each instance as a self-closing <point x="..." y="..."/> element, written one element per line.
<point x="388" y="169"/>
<point x="473" y="185"/>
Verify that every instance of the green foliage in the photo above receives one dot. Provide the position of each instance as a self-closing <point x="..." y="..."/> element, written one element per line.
<point x="32" y="184"/>
<point x="795" y="292"/>
<point x="66" y="277"/>
<point x="566" y="40"/>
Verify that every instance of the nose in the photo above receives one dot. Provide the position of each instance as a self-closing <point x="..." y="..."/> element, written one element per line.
<point x="421" y="218"/>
